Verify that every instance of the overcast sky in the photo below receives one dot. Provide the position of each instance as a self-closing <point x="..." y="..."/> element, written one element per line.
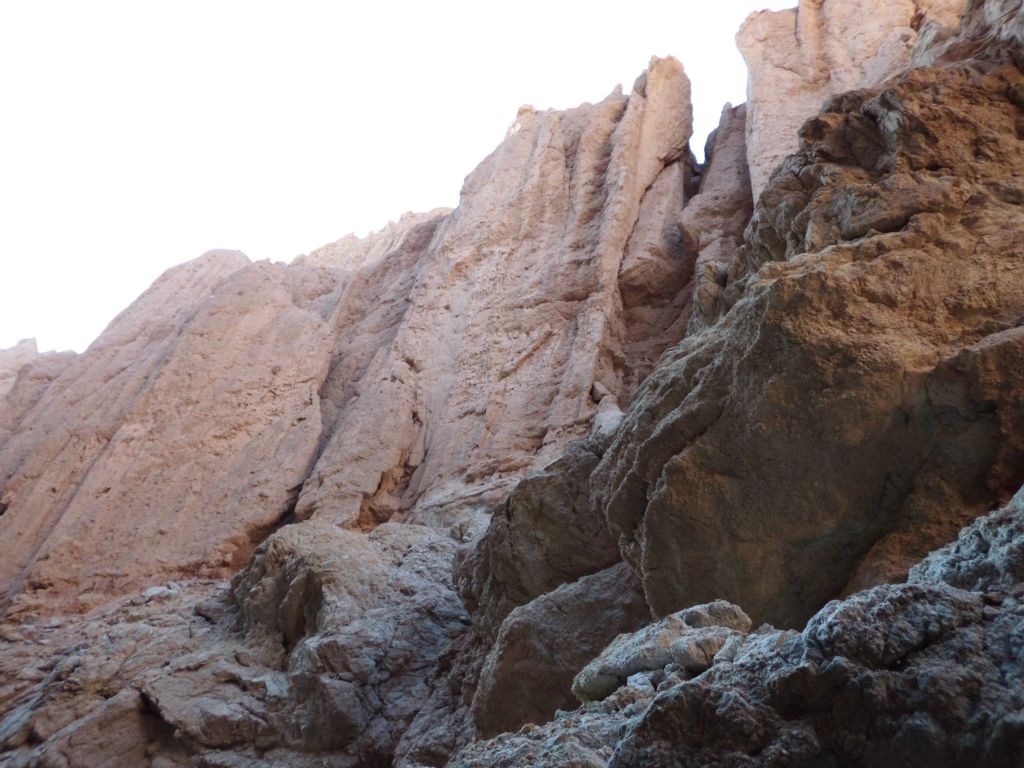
<point x="137" y="135"/>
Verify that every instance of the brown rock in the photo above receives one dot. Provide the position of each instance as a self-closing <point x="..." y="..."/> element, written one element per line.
<point x="321" y="657"/>
<point x="513" y="315"/>
<point x="352" y="253"/>
<point x="543" y="535"/>
<point x="176" y="443"/>
<point x="541" y="647"/>
<point x="714" y="221"/>
<point x="440" y="361"/>
<point x="864" y="386"/>
<point x="798" y="57"/>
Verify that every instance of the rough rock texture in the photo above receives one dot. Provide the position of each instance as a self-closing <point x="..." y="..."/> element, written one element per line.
<point x="175" y="443"/>
<point x="917" y="674"/>
<point x="991" y="29"/>
<point x="674" y="639"/>
<point x="543" y="535"/>
<point x="351" y="252"/>
<point x="988" y="556"/>
<point x="13" y="359"/>
<point x="320" y="658"/>
<point x="542" y="646"/>
<point x="584" y="738"/>
<point x="416" y="377"/>
<point x="714" y="221"/>
<point x="798" y="57"/>
<point x="862" y="393"/>
<point x="520" y="313"/>
<point x="846" y="399"/>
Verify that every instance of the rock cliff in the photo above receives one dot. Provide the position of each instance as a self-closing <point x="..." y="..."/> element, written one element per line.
<point x="625" y="461"/>
<point x="414" y="377"/>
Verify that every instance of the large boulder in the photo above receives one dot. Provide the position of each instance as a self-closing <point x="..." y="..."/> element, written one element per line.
<point x="528" y="673"/>
<point x="860" y="402"/>
<point x="917" y="674"/>
<point x="320" y="654"/>
<point x="545" y="534"/>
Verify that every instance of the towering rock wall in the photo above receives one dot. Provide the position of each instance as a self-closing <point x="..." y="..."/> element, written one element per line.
<point x="415" y="375"/>
<point x="839" y="393"/>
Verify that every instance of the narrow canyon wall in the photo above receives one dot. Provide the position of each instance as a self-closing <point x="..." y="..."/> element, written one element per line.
<point x="489" y="463"/>
<point x="414" y="375"/>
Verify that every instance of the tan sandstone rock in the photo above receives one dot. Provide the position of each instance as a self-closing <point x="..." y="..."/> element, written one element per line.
<point x="351" y="252"/>
<point x="13" y="359"/>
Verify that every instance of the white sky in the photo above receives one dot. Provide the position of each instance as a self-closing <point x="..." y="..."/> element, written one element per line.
<point x="137" y="135"/>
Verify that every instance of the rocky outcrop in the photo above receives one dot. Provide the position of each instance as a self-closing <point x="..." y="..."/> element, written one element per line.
<point x="714" y="221"/>
<point x="415" y="376"/>
<point x="528" y="673"/>
<point x="543" y="535"/>
<point x="13" y="359"/>
<point x="517" y="316"/>
<point x="175" y="444"/>
<point x="916" y="674"/>
<point x="798" y="57"/>
<point x="684" y="642"/>
<point x="833" y="391"/>
<point x="320" y="656"/>
<point x="858" y="404"/>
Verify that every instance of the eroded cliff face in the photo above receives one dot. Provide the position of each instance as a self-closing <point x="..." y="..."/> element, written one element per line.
<point x="570" y="442"/>
<point x="414" y="376"/>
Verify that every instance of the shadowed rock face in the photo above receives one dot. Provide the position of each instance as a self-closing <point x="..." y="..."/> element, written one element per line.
<point x="322" y="647"/>
<point x="925" y="673"/>
<point x="859" y="403"/>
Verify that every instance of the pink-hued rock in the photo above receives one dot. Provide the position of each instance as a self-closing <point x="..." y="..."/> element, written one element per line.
<point x="413" y="375"/>
<point x="798" y="57"/>
<point x="351" y="252"/>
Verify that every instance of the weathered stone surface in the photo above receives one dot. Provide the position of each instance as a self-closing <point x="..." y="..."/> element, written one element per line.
<point x="678" y="638"/>
<point x="414" y="376"/>
<point x="848" y="398"/>
<point x="798" y="57"/>
<point x="918" y="674"/>
<point x="323" y="652"/>
<point x="542" y="645"/>
<point x="987" y="556"/>
<point x="714" y="221"/>
<point x="991" y="29"/>
<point x="584" y="738"/>
<point x="13" y="359"/>
<point x="175" y="443"/>
<point x="863" y="391"/>
<point x="543" y="535"/>
<point x="517" y="314"/>
<point x="352" y="253"/>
